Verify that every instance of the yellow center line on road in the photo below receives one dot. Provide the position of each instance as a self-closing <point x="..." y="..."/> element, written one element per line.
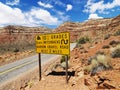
<point x="16" y="67"/>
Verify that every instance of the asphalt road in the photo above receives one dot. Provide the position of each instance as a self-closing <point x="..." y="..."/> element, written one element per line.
<point x="10" y="70"/>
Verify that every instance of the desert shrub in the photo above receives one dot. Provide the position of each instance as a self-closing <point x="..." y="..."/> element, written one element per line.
<point x="107" y="36"/>
<point x="63" y="58"/>
<point x="8" y="49"/>
<point x="106" y="46"/>
<point x="30" y="84"/>
<point x="88" y="68"/>
<point x="63" y="65"/>
<point x="104" y="60"/>
<point x="94" y="63"/>
<point x="98" y="63"/>
<point x="79" y="46"/>
<point x="117" y="33"/>
<point x="99" y="52"/>
<point x="83" y="40"/>
<point x="115" y="52"/>
<point x="118" y="46"/>
<point x="114" y="42"/>
<point x="98" y="68"/>
<point x="16" y="50"/>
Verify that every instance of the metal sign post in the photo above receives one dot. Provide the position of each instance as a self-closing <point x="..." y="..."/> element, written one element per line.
<point x="66" y="59"/>
<point x="54" y="43"/>
<point x="39" y="56"/>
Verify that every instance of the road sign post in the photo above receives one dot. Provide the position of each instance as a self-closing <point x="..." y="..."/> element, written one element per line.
<point x="55" y="43"/>
<point x="66" y="59"/>
<point x="39" y="57"/>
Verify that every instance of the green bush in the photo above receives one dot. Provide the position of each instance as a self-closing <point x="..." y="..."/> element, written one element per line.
<point x="105" y="46"/>
<point x="63" y="58"/>
<point x="117" y="33"/>
<point x="16" y="50"/>
<point x="98" y="63"/>
<point x="107" y="36"/>
<point x="88" y="68"/>
<point x="83" y="40"/>
<point x="114" y="42"/>
<point x="79" y="46"/>
<point x="94" y="63"/>
<point x="115" y="52"/>
<point x="104" y="60"/>
<point x="30" y="84"/>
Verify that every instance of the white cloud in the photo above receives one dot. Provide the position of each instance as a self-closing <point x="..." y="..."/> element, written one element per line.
<point x="12" y="2"/>
<point x="45" y="5"/>
<point x="100" y="6"/>
<point x="94" y="16"/>
<point x="58" y="2"/>
<point x="34" y="17"/>
<point x="60" y="13"/>
<point x="69" y="7"/>
<point x="11" y="15"/>
<point x="43" y="16"/>
<point x="62" y="16"/>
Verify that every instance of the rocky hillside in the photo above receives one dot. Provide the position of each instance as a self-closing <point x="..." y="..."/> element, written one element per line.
<point x="91" y="28"/>
<point x="14" y="38"/>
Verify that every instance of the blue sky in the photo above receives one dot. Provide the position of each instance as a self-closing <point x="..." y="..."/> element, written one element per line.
<point x="52" y="13"/>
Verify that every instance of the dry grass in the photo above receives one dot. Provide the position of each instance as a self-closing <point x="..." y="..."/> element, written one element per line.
<point x="115" y="52"/>
<point x="101" y="60"/>
<point x="104" y="60"/>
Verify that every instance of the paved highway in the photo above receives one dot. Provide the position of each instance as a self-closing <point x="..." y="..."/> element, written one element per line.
<point x="10" y="70"/>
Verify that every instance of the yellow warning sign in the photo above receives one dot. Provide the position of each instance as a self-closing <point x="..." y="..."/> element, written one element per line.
<point x="55" y="43"/>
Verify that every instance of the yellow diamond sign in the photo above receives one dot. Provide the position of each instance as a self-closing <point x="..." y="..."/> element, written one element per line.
<point x="55" y="43"/>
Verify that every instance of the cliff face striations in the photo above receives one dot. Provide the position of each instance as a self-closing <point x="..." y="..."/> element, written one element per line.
<point x="94" y="28"/>
<point x="19" y="37"/>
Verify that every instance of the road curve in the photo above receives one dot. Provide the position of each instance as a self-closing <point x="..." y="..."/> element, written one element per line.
<point x="10" y="70"/>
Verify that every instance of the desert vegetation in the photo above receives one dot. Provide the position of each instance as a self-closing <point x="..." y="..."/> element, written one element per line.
<point x="83" y="40"/>
<point x="115" y="52"/>
<point x="98" y="63"/>
<point x="117" y="33"/>
<point x="107" y="36"/>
